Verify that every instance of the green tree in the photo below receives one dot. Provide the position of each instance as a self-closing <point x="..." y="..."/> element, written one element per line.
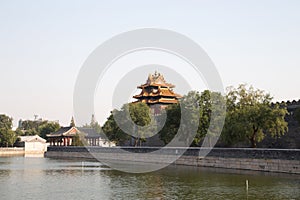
<point x="37" y="127"/>
<point x="250" y="116"/>
<point x="212" y="114"/>
<point x="202" y="114"/>
<point x="182" y="118"/>
<point x="139" y="114"/>
<point x="48" y="128"/>
<point x="5" y="122"/>
<point x="7" y="136"/>
<point x="172" y="123"/>
<point x="30" y="127"/>
<point x="77" y="140"/>
<point x="19" y="132"/>
<point x="113" y="131"/>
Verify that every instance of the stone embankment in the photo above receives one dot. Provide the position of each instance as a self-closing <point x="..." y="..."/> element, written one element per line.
<point x="269" y="160"/>
<point x="13" y="151"/>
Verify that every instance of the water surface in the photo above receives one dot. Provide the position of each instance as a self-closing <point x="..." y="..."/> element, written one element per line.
<point x="44" y="178"/>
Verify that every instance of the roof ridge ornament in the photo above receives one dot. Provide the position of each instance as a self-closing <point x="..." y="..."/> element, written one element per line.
<point x="155" y="78"/>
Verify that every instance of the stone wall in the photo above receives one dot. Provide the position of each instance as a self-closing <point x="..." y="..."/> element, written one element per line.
<point x="291" y="139"/>
<point x="14" y="151"/>
<point x="271" y="160"/>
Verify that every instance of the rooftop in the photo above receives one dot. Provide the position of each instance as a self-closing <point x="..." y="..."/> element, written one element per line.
<point x="156" y="79"/>
<point x="32" y="138"/>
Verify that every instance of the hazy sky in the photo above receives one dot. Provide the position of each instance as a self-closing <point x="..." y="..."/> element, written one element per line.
<point x="43" y="45"/>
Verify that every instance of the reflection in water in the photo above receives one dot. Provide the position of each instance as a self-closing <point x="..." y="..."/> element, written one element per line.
<point x="42" y="178"/>
<point x="196" y="183"/>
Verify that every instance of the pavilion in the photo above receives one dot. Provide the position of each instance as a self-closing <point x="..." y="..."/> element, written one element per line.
<point x="65" y="137"/>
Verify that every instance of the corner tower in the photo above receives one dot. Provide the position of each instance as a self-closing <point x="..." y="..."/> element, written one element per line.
<point x="157" y="93"/>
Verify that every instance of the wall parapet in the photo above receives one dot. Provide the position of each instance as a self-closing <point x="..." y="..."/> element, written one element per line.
<point x="283" y="154"/>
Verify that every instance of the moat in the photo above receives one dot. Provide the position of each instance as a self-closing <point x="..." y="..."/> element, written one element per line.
<point x="44" y="178"/>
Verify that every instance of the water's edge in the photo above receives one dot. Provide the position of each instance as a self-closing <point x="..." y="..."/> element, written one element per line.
<point x="12" y="151"/>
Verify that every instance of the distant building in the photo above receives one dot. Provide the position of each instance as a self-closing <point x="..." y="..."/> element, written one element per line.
<point x="95" y="139"/>
<point x="65" y="137"/>
<point x="157" y="93"/>
<point x="34" y="145"/>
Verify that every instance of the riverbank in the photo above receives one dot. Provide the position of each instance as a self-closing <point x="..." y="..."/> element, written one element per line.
<point x="20" y="151"/>
<point x="268" y="160"/>
<point x="12" y="151"/>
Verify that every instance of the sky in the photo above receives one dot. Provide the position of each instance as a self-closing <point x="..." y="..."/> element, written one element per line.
<point x="43" y="45"/>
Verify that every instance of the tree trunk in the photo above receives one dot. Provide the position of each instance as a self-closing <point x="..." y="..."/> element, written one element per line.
<point x="253" y="140"/>
<point x="253" y="143"/>
<point x="136" y="142"/>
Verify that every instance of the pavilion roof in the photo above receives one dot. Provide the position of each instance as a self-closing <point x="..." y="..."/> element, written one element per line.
<point x="32" y="138"/>
<point x="169" y="85"/>
<point x="156" y="101"/>
<point x="71" y="131"/>
<point x="163" y="100"/>
<point x="64" y="131"/>
<point x="91" y="132"/>
<point x="160" y="92"/>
